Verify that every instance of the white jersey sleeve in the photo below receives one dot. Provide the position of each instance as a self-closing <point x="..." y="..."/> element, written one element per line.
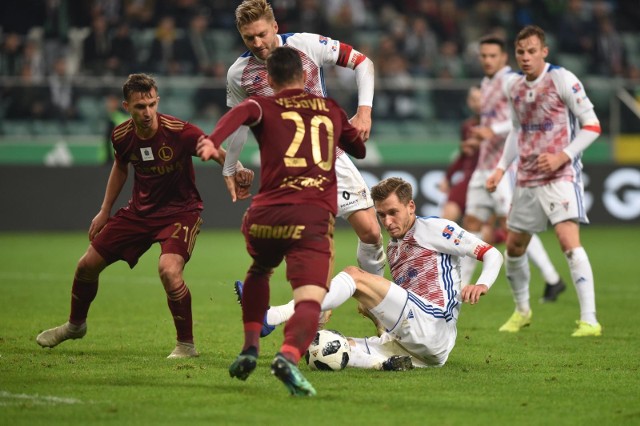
<point x="571" y="91"/>
<point x="448" y="237"/>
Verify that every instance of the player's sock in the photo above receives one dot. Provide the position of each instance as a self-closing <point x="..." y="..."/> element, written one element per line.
<point x="518" y="275"/>
<point x="342" y="288"/>
<point x="300" y="330"/>
<point x="179" y="301"/>
<point x="361" y="358"/>
<point x="540" y="259"/>
<point x="372" y="257"/>
<point x="276" y="315"/>
<point x="468" y="265"/>
<point x="82" y="294"/>
<point x="255" y="302"/>
<point x="582" y="276"/>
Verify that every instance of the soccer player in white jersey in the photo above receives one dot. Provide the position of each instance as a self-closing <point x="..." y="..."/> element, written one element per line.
<point x="481" y="205"/>
<point x="248" y="76"/>
<point x="420" y="308"/>
<point x="553" y="123"/>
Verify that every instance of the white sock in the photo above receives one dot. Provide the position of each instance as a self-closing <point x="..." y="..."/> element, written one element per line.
<point x="361" y="358"/>
<point x="372" y="257"/>
<point x="540" y="259"/>
<point x="276" y="315"/>
<point x="341" y="289"/>
<point x="518" y="275"/>
<point x="582" y="277"/>
<point x="468" y="265"/>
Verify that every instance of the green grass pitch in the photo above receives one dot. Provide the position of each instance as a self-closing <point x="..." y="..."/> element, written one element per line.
<point x="118" y="374"/>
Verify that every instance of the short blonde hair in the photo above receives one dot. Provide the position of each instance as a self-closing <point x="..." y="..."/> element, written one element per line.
<point x="253" y="10"/>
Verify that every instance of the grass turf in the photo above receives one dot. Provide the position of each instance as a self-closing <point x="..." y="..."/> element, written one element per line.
<point x="118" y="373"/>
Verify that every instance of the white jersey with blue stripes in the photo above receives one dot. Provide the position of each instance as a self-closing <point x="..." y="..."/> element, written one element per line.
<point x="426" y="262"/>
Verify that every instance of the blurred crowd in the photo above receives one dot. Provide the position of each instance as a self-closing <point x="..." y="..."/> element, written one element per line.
<point x="52" y="41"/>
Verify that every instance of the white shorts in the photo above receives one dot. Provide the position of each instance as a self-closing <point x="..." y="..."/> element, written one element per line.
<point x="412" y="330"/>
<point x="534" y="207"/>
<point x="482" y="203"/>
<point x="353" y="192"/>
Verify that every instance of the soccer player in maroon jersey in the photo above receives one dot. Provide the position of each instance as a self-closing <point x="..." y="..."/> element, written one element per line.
<point x="292" y="216"/>
<point x="165" y="207"/>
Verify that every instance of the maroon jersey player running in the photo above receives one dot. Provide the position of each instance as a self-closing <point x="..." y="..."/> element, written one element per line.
<point x="165" y="207"/>
<point x="292" y="216"/>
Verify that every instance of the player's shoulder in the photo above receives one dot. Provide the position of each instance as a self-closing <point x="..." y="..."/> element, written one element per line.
<point x="239" y="64"/>
<point x="122" y="130"/>
<point x="171" y="123"/>
<point x="305" y="40"/>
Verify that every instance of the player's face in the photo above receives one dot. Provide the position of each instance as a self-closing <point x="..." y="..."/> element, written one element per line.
<point x="492" y="58"/>
<point x="397" y="218"/>
<point x="474" y="100"/>
<point x="143" y="108"/>
<point x="531" y="55"/>
<point x="260" y="37"/>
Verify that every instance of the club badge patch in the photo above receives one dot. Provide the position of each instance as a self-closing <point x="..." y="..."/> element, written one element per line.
<point x="147" y="154"/>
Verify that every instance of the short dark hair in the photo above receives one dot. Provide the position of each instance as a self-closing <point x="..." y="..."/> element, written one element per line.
<point x="284" y="65"/>
<point x="494" y="39"/>
<point x="392" y="185"/>
<point x="530" y="31"/>
<point x="138" y="83"/>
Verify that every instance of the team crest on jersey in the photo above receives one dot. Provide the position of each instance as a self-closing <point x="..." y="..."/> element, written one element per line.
<point x="147" y="154"/>
<point x="576" y="88"/>
<point x="165" y="153"/>
<point x="323" y="40"/>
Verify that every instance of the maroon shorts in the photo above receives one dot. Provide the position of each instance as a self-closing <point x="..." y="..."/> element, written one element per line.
<point x="300" y="234"/>
<point x="127" y="236"/>
<point x="458" y="194"/>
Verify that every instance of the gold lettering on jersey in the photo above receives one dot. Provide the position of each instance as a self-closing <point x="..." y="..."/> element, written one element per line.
<point x="280" y="232"/>
<point x="159" y="170"/>
<point x="301" y="182"/>
<point x="314" y="104"/>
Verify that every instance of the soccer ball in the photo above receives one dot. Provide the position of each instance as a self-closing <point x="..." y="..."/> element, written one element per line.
<point x="329" y="351"/>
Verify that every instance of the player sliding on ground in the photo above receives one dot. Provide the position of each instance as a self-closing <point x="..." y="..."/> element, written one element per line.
<point x="419" y="310"/>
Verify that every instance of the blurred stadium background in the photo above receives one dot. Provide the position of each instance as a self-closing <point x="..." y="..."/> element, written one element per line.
<point x="63" y="62"/>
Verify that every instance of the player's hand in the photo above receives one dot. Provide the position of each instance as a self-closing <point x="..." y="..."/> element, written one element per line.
<point x="243" y="179"/>
<point x="549" y="163"/>
<point x="494" y="179"/>
<point x="207" y="150"/>
<point x="482" y="132"/>
<point x="98" y="223"/>
<point x="362" y="122"/>
<point x="443" y="186"/>
<point x="471" y="293"/>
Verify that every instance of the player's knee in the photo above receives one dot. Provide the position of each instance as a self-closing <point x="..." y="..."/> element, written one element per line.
<point x="89" y="268"/>
<point x="170" y="274"/>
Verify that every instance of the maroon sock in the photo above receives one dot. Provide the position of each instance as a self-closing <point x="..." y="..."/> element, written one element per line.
<point x="255" y="302"/>
<point x="179" y="301"/>
<point x="82" y="294"/>
<point x="300" y="330"/>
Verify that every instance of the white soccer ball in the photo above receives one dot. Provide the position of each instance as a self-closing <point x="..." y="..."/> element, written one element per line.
<point x="329" y="351"/>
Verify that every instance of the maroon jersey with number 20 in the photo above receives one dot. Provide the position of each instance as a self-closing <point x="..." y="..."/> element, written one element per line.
<point x="297" y="133"/>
